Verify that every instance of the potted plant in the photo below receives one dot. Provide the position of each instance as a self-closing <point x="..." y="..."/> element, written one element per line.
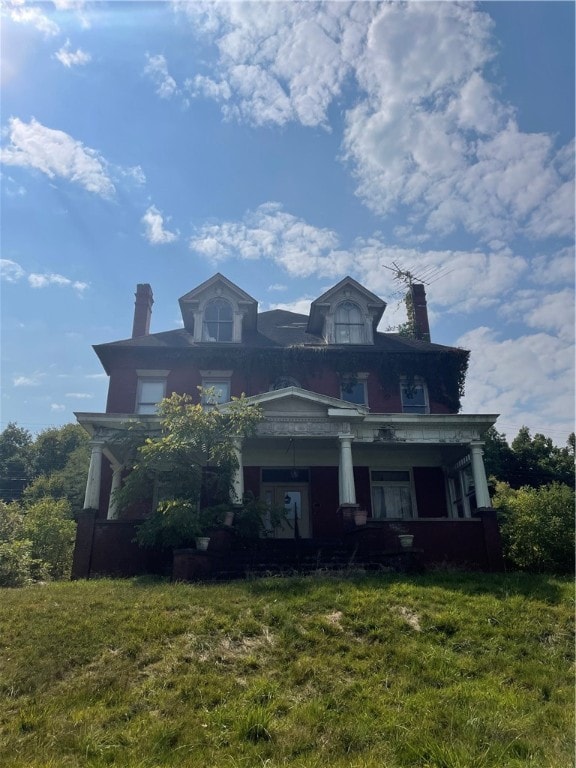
<point x="405" y="538"/>
<point x="256" y="518"/>
<point x="177" y="523"/>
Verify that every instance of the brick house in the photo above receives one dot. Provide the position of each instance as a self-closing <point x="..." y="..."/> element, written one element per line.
<point x="353" y="418"/>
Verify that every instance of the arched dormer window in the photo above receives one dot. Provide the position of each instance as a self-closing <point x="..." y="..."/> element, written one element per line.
<point x="217" y="324"/>
<point x="349" y="324"/>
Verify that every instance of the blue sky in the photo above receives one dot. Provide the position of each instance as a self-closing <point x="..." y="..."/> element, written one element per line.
<point x="287" y="145"/>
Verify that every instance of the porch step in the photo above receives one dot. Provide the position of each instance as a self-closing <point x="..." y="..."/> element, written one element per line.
<point x="289" y="556"/>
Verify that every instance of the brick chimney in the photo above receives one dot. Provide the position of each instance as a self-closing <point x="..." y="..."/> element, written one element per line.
<point x="142" y="310"/>
<point x="420" y="310"/>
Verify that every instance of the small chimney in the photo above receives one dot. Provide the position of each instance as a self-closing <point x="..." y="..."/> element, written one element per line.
<point x="420" y="312"/>
<point x="142" y="310"/>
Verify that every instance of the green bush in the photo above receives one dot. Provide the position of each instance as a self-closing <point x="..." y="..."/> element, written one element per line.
<point x="537" y="526"/>
<point x="48" y="526"/>
<point x="16" y="563"/>
<point x="36" y="543"/>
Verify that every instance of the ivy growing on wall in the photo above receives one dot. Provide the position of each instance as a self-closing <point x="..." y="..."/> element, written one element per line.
<point x="443" y="371"/>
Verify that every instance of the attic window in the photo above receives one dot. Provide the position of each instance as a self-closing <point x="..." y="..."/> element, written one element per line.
<point x="218" y="321"/>
<point x="349" y="324"/>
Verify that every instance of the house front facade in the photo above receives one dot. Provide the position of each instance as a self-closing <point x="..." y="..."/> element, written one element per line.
<point x="353" y="418"/>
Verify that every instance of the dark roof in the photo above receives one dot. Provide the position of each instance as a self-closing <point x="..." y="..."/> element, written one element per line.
<point x="277" y="328"/>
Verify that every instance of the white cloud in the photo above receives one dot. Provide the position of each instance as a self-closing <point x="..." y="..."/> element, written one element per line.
<point x="157" y="71"/>
<point x="57" y="407"/>
<point x="71" y="58"/>
<point x="10" y="271"/>
<point x="277" y="287"/>
<point x="428" y="131"/>
<point x="32" y="15"/>
<point x="271" y="233"/>
<point x="28" y="381"/>
<point x="43" y="281"/>
<point x="55" y="153"/>
<point x="155" y="232"/>
<point x="529" y="380"/>
<point x="542" y="310"/>
<point x="553" y="269"/>
<point x="300" y="306"/>
<point x="96" y="376"/>
<point x="79" y="395"/>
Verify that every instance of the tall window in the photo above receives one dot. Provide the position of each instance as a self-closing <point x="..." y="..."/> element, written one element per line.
<point x="218" y="321"/>
<point x="353" y="389"/>
<point x="150" y="392"/>
<point x="391" y="494"/>
<point x="349" y="324"/>
<point x="216" y="391"/>
<point x="414" y="397"/>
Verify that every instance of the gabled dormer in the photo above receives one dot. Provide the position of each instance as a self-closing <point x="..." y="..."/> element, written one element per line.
<point x="218" y="311"/>
<point x="348" y="313"/>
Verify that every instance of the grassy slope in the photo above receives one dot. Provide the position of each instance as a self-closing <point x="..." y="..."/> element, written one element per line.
<point x="440" y="671"/>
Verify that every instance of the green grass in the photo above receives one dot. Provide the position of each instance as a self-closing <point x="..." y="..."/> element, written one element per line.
<point x="447" y="670"/>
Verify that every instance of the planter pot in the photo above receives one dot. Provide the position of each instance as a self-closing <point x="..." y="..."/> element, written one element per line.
<point x="406" y="540"/>
<point x="202" y="542"/>
<point x="360" y="516"/>
<point x="229" y="518"/>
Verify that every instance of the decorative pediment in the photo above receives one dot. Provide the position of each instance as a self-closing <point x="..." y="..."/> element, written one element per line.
<point x="352" y="302"/>
<point x="228" y="300"/>
<point x="293" y="401"/>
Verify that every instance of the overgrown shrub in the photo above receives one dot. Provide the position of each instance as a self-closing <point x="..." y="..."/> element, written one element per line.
<point x="537" y="526"/>
<point x="36" y="543"/>
<point x="48" y="526"/>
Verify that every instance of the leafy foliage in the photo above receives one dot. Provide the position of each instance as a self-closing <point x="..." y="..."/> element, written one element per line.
<point x="53" y="464"/>
<point x="49" y="528"/>
<point x="36" y="542"/>
<point x="529" y="461"/>
<point x="188" y="467"/>
<point x="537" y="526"/>
<point x="15" y="461"/>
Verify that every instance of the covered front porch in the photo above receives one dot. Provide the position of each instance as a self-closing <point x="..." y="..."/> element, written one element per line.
<point x="322" y="459"/>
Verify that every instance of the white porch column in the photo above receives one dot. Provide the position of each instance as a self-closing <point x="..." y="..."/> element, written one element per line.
<point x="479" y="474"/>
<point x="116" y="483"/>
<point x="346" y="473"/>
<point x="237" y="491"/>
<point x="92" y="497"/>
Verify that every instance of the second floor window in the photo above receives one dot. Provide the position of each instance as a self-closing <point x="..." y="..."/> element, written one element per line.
<point x="215" y="391"/>
<point x="150" y="392"/>
<point x="349" y="324"/>
<point x="414" y="397"/>
<point x="218" y="321"/>
<point x="354" y="391"/>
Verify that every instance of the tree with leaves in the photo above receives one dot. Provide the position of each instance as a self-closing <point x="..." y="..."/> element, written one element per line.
<point x="537" y="526"/>
<point x="16" y="449"/>
<point x="528" y="461"/>
<point x="188" y="467"/>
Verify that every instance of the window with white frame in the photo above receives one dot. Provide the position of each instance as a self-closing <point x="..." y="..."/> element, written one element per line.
<point x="218" y="321"/>
<point x="348" y="324"/>
<point x="391" y="494"/>
<point x="151" y="390"/>
<point x="354" y="389"/>
<point x="215" y="391"/>
<point x="463" y="492"/>
<point x="414" y="396"/>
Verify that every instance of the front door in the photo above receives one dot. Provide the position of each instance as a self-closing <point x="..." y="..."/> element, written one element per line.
<point x="293" y="498"/>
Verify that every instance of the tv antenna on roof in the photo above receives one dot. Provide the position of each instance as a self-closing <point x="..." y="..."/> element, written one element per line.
<point x="405" y="276"/>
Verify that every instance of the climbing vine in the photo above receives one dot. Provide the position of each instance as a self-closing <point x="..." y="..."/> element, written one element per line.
<point x="444" y="371"/>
